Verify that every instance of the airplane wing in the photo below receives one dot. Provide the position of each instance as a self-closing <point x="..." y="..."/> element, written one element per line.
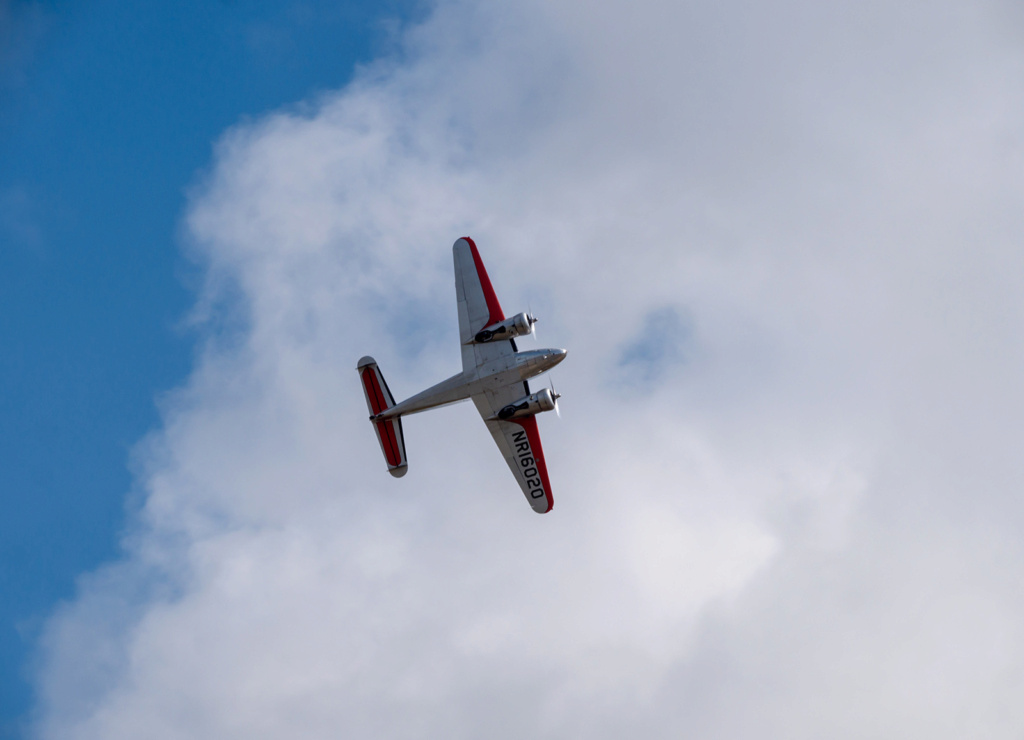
<point x="518" y="439"/>
<point x="519" y="442"/>
<point x="478" y="307"/>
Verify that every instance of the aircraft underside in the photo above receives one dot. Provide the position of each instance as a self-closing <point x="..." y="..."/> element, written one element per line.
<point x="494" y="375"/>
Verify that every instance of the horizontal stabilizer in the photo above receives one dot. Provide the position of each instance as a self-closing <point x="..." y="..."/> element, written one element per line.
<point x="389" y="431"/>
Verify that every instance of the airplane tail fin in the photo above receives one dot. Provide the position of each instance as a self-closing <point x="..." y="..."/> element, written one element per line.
<point x="389" y="431"/>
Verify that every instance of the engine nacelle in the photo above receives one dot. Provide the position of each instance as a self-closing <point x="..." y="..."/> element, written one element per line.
<point x="514" y="326"/>
<point x="535" y="403"/>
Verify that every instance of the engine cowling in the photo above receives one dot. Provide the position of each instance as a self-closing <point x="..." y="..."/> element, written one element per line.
<point x="535" y="403"/>
<point x="514" y="326"/>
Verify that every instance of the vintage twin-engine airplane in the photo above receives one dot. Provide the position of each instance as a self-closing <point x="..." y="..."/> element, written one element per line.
<point x="494" y="374"/>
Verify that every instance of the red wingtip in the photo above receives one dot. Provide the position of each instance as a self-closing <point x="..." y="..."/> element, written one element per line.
<point x="493" y="307"/>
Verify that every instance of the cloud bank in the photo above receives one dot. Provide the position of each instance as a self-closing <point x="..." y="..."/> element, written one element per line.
<point x="799" y="518"/>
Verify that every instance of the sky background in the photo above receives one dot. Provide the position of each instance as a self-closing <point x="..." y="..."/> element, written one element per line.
<point x="781" y="244"/>
<point x="108" y="110"/>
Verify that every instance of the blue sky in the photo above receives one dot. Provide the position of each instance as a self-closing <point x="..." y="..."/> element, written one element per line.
<point x="108" y="112"/>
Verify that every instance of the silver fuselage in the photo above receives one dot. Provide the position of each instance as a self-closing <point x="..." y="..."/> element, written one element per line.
<point x="513" y="368"/>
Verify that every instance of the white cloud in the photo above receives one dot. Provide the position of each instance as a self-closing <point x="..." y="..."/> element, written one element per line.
<point x="807" y="528"/>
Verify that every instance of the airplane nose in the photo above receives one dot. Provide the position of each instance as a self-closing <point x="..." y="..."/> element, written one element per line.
<point x="559" y="355"/>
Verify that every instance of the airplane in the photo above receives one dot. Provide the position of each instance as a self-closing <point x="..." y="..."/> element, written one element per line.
<point x="495" y="375"/>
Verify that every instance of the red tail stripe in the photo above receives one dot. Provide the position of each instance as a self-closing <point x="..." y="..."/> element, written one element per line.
<point x="529" y="425"/>
<point x="485" y="282"/>
<point x="373" y="392"/>
<point x="386" y="429"/>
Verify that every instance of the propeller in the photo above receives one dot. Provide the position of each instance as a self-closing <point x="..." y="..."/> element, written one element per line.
<point x="554" y="397"/>
<point x="533" y="320"/>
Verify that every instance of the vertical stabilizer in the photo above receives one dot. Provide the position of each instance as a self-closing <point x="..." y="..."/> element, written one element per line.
<point x="389" y="431"/>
